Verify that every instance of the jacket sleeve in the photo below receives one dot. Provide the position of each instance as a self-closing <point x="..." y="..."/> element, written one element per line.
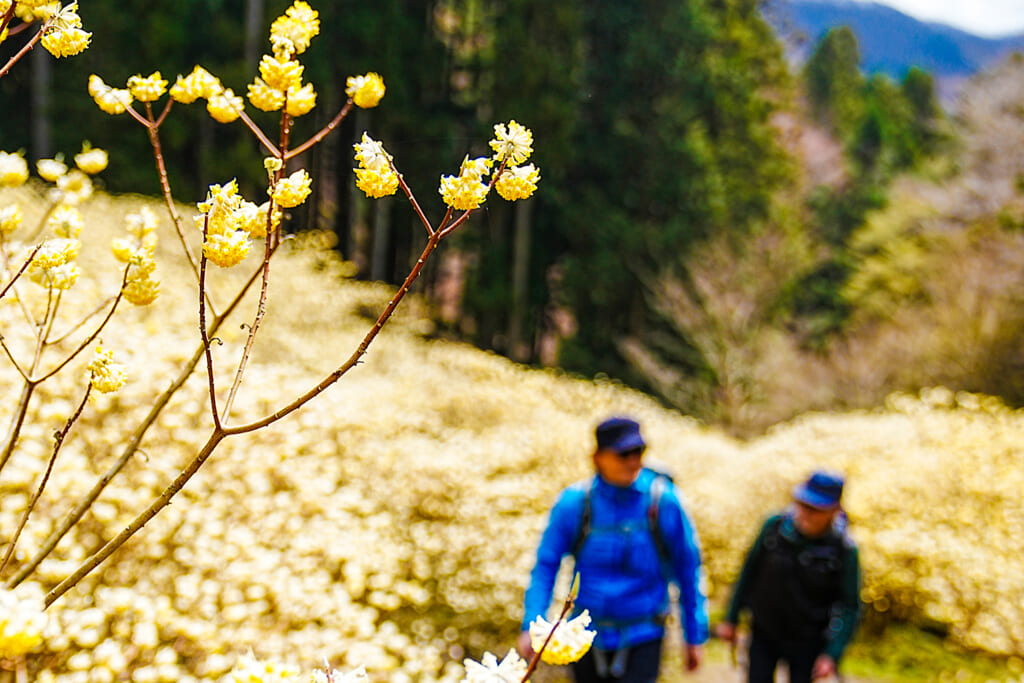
<point x="563" y="523"/>
<point x="846" y="611"/>
<point x="741" y="591"/>
<point x="687" y="570"/>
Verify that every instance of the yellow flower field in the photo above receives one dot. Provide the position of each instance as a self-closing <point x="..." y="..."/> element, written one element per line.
<point x="391" y="522"/>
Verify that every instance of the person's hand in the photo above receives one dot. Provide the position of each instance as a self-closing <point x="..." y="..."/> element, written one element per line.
<point x="525" y="646"/>
<point x="694" y="657"/>
<point x="726" y="631"/>
<point x="824" y="666"/>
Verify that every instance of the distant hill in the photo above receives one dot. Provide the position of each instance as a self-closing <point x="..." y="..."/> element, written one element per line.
<point x="890" y="42"/>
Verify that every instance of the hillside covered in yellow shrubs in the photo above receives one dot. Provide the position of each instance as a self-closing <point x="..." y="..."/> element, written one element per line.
<point x="391" y="522"/>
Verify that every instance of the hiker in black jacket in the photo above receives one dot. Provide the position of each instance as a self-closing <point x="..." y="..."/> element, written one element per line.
<point x="801" y="583"/>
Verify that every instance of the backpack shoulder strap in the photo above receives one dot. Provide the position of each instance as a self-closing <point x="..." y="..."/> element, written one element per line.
<point x="583" y="530"/>
<point x="661" y="482"/>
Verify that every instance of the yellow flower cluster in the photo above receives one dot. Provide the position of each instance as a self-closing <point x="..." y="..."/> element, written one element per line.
<point x="280" y="74"/>
<point x="291" y="191"/>
<point x="64" y="36"/>
<point x="375" y="176"/>
<point x="13" y="169"/>
<point x="365" y="91"/>
<point x="251" y="670"/>
<point x="200" y="83"/>
<point x="137" y="250"/>
<point x="231" y="220"/>
<point x="467" y="190"/>
<point x="328" y="675"/>
<point x="91" y="160"/>
<point x="22" y="621"/>
<point x="571" y="640"/>
<point x="65" y="221"/>
<point x="225" y="106"/>
<point x="148" y="89"/>
<point x="292" y="32"/>
<point x="53" y="266"/>
<point x="51" y="169"/>
<point x="105" y="375"/>
<point x="35" y="10"/>
<point x="10" y="218"/>
<point x="511" y="669"/>
<point x="108" y="99"/>
<point x="517" y="182"/>
<point x="512" y="143"/>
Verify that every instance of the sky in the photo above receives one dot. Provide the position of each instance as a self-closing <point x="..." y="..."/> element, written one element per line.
<point x="990" y="18"/>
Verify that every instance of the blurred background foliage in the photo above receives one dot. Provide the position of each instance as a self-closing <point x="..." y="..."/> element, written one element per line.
<point x="745" y="238"/>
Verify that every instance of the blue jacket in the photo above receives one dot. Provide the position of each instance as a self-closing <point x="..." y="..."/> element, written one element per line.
<point x="622" y="581"/>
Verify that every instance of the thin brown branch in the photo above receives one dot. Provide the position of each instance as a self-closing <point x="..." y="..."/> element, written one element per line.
<point x="152" y="128"/>
<point x="5" y="20"/>
<point x="431" y="245"/>
<point x="412" y="199"/>
<point x="156" y="506"/>
<point x="14" y="361"/>
<point x="535" y="660"/>
<point x="323" y="132"/>
<point x="131" y="447"/>
<point x="81" y="323"/>
<point x="17" y="420"/>
<point x="21" y="270"/>
<point x="95" y="333"/>
<point x="28" y="46"/>
<point x="59" y="437"/>
<point x="203" y="331"/>
<point x="257" y="131"/>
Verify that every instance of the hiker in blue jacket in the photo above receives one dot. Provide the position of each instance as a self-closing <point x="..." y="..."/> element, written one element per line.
<point x="630" y="536"/>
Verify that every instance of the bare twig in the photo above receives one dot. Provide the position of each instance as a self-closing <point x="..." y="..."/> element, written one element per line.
<point x="324" y="132"/>
<point x="80" y="323"/>
<point x="58" y="442"/>
<point x="28" y="46"/>
<point x="203" y="333"/>
<point x="569" y="600"/>
<point x="131" y="447"/>
<point x="21" y="270"/>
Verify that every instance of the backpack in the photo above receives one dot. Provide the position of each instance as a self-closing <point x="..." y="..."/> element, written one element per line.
<point x="662" y="480"/>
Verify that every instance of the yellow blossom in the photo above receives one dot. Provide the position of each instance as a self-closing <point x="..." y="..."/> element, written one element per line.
<point x="263" y="97"/>
<point x="122" y="248"/>
<point x="199" y="83"/>
<point x="141" y="224"/>
<point x="73" y="187"/>
<point x="227" y="250"/>
<point x="376" y="184"/>
<point x="465" y="191"/>
<point x="105" y="375"/>
<point x="517" y="182"/>
<point x="301" y="100"/>
<point x="366" y="91"/>
<point x="22" y="621"/>
<point x="293" y="190"/>
<point x="66" y="221"/>
<point x="280" y="75"/>
<point x="64" y="36"/>
<point x="568" y="644"/>
<point x="225" y="107"/>
<point x="109" y="100"/>
<point x="51" y="169"/>
<point x="488" y="670"/>
<point x="251" y="670"/>
<point x="91" y="160"/>
<point x="141" y="291"/>
<point x="13" y="169"/>
<point x="10" y="218"/>
<point x="36" y="10"/>
<point x="513" y="143"/>
<point x="57" y="277"/>
<point x="334" y="676"/>
<point x="148" y="89"/>
<point x="56" y="252"/>
<point x="370" y="154"/>
<point x="298" y="25"/>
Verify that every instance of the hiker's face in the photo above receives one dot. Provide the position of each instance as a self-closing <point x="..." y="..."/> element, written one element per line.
<point x="812" y="522"/>
<point x="619" y="469"/>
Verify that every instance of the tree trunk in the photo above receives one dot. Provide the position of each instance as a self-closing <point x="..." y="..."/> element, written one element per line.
<point x="253" y="33"/>
<point x="42" y="145"/>
<point x="523" y="216"/>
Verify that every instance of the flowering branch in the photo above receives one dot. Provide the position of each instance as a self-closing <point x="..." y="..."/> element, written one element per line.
<point x="570" y="599"/>
<point x="28" y="46"/>
<point x="59" y="437"/>
<point x="203" y="332"/>
<point x="131" y="447"/>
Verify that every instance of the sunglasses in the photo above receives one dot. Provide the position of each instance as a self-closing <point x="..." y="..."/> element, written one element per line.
<point x="634" y="452"/>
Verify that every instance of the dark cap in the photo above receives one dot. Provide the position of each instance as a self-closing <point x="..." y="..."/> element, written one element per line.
<point x="619" y="434"/>
<point x="822" y="490"/>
